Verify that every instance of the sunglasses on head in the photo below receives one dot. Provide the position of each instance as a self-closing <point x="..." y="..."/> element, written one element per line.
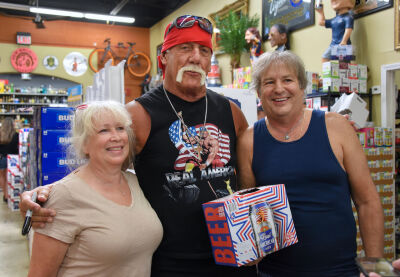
<point x="187" y="21"/>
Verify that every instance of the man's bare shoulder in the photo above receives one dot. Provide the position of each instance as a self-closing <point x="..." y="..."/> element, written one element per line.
<point x="136" y="110"/>
<point x="133" y="105"/>
<point x="141" y="123"/>
<point x="238" y="118"/>
<point x="246" y="138"/>
<point x="335" y="120"/>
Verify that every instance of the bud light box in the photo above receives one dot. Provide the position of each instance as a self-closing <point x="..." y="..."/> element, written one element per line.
<point x="249" y="224"/>
<point x="50" y="178"/>
<point x="57" y="162"/>
<point x="54" y="140"/>
<point x="56" y="117"/>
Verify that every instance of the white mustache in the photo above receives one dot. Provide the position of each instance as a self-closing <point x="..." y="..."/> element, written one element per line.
<point x="193" y="68"/>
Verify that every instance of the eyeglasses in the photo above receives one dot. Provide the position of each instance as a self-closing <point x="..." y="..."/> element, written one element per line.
<point x="187" y="21"/>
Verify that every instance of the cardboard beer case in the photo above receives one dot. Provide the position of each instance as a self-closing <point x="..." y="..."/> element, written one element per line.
<point x="249" y="224"/>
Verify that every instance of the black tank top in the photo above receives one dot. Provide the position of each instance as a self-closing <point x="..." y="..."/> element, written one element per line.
<point x="180" y="168"/>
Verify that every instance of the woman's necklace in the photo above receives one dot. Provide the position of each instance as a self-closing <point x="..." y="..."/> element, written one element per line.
<point x="287" y="134"/>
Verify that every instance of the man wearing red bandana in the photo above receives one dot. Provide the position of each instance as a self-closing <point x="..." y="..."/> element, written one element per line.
<point x="175" y="165"/>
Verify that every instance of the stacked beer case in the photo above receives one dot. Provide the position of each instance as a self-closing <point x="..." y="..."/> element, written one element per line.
<point x="15" y="184"/>
<point x="52" y="126"/>
<point x="23" y="151"/>
<point x="16" y="169"/>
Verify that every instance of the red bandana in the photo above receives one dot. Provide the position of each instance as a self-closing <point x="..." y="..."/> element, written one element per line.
<point x="178" y="36"/>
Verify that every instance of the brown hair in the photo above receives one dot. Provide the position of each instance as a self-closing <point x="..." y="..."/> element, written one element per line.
<point x="7" y="130"/>
<point x="255" y="32"/>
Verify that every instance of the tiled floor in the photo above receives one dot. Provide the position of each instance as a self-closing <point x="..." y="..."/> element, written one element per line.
<point x="14" y="255"/>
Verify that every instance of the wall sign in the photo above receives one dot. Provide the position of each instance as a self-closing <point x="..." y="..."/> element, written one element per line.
<point x="24" y="38"/>
<point x="75" y="64"/>
<point x="295" y="14"/>
<point x="24" y="60"/>
<point x="50" y="62"/>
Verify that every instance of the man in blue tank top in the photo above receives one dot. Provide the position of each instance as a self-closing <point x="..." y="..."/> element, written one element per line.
<point x="319" y="158"/>
<point x="185" y="152"/>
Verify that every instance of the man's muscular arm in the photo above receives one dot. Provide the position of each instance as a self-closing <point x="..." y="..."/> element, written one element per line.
<point x="244" y="148"/>
<point x="141" y="124"/>
<point x="238" y="119"/>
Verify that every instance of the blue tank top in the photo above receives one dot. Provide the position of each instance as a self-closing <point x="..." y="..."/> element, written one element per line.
<point x="318" y="191"/>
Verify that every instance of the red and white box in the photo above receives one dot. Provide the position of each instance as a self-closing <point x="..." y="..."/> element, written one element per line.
<point x="13" y="204"/>
<point x="13" y="162"/>
<point x="369" y="136"/>
<point x="230" y="224"/>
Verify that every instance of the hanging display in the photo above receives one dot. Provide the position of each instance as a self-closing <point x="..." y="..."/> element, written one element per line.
<point x="75" y="64"/>
<point x="50" y="62"/>
<point x="24" y="60"/>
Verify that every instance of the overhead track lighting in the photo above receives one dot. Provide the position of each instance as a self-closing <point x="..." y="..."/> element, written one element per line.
<point x="57" y="12"/>
<point x="109" y="18"/>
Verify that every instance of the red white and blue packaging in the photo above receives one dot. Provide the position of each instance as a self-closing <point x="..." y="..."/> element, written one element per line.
<point x="249" y="224"/>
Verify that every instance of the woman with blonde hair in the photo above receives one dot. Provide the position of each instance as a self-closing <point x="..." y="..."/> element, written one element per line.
<point x="8" y="145"/>
<point x="104" y="225"/>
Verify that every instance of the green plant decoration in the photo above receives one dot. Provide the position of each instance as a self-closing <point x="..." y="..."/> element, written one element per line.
<point x="232" y="31"/>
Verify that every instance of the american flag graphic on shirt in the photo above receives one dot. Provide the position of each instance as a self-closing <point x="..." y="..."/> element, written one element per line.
<point x="188" y="152"/>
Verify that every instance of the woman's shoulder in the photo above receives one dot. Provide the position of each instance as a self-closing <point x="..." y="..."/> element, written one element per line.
<point x="66" y="186"/>
<point x="130" y="177"/>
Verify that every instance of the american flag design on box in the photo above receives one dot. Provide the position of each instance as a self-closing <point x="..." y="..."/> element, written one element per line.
<point x="230" y="229"/>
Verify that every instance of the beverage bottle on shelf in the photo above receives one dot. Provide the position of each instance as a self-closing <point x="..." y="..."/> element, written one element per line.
<point x="262" y="221"/>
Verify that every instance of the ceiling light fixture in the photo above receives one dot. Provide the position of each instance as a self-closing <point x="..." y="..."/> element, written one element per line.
<point x="109" y="18"/>
<point x="56" y="12"/>
<point x="93" y="16"/>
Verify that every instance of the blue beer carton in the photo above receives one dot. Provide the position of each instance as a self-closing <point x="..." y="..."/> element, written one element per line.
<point x="56" y="117"/>
<point x="54" y="140"/>
<point x="57" y="162"/>
<point x="51" y="178"/>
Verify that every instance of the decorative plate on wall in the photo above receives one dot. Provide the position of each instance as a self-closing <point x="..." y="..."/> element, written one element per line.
<point x="50" y="62"/>
<point x="24" y="60"/>
<point x="75" y="64"/>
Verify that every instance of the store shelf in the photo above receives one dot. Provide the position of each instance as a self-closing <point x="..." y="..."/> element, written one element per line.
<point x="386" y="193"/>
<point x="330" y="96"/>
<point x="379" y="157"/>
<point x="35" y="94"/>
<point x="16" y="113"/>
<point x="383" y="182"/>
<point x="25" y="104"/>
<point x="323" y="94"/>
<point x="22" y="100"/>
<point x="382" y="169"/>
<point x="387" y="206"/>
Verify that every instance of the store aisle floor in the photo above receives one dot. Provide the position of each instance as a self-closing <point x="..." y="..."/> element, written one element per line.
<point x="14" y="253"/>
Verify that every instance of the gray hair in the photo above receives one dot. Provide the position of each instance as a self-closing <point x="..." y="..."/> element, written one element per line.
<point x="286" y="58"/>
<point x="83" y="126"/>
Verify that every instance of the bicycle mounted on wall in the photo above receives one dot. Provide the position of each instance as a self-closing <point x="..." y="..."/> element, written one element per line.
<point x="138" y="63"/>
